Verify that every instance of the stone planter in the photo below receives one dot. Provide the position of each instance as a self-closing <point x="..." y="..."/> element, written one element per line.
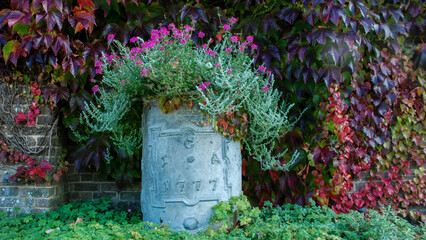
<point x="187" y="168"/>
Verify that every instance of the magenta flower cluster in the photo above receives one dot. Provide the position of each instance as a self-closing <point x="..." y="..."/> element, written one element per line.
<point x="203" y="86"/>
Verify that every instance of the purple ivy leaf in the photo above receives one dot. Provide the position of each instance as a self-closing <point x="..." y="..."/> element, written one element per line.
<point x="14" y="17"/>
<point x="383" y="108"/>
<point x="250" y="27"/>
<point x="391" y="97"/>
<point x="302" y="52"/>
<point x="335" y="13"/>
<point x="320" y="35"/>
<point x="310" y="17"/>
<point x="369" y="132"/>
<point x="289" y="14"/>
<point x="332" y="51"/>
<point x="292" y="49"/>
<point x="413" y="9"/>
<point x="193" y="12"/>
<point x="269" y="22"/>
<point x="330" y="74"/>
<point x="389" y="84"/>
<point x="55" y="93"/>
<point x="357" y="4"/>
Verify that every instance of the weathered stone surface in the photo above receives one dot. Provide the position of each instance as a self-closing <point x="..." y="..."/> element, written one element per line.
<point x="8" y="191"/>
<point x="186" y="168"/>
<point x="37" y="192"/>
<point x="11" y="202"/>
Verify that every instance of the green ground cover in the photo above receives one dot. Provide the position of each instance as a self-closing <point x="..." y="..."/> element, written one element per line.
<point x="236" y="219"/>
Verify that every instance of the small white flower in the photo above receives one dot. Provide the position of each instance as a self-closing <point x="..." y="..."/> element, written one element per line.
<point x="209" y="65"/>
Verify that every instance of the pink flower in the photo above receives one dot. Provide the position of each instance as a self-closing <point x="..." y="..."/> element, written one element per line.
<point x="164" y="31"/>
<point x="253" y="46"/>
<point x="98" y="70"/>
<point x="226" y="27"/>
<point x="217" y="65"/>
<point x="133" y="39"/>
<point x="171" y="26"/>
<point x="250" y="39"/>
<point x="265" y="88"/>
<point x="204" y="45"/>
<point x="233" y="20"/>
<point x="230" y="70"/>
<point x="144" y="71"/>
<point x="188" y="28"/>
<point x="110" y="36"/>
<point x="228" y="50"/>
<point x="202" y="87"/>
<point x="95" y="88"/>
<point x="210" y="52"/>
<point x="161" y="48"/>
<point x="242" y="48"/>
<point x="183" y="41"/>
<point x="262" y="68"/>
<point x="201" y="34"/>
<point x="98" y="63"/>
<point x="234" y="39"/>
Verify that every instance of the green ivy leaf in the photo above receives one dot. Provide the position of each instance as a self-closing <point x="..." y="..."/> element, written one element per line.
<point x="8" y="48"/>
<point x="21" y="28"/>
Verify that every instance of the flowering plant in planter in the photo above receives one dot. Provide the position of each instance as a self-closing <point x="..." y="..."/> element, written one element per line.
<point x="219" y="75"/>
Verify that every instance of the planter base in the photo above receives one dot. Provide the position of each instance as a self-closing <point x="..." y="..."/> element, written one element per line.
<point x="186" y="168"/>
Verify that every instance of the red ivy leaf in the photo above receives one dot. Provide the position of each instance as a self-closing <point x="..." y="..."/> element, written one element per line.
<point x="86" y="3"/>
<point x="46" y="165"/>
<point x="20" y="117"/>
<point x="19" y="171"/>
<point x="274" y="175"/>
<point x="57" y="176"/>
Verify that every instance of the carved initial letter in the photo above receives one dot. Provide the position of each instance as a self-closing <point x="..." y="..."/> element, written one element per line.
<point x="189" y="142"/>
<point x="215" y="159"/>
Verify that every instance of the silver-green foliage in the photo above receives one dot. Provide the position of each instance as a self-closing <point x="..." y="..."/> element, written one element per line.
<point x="171" y="68"/>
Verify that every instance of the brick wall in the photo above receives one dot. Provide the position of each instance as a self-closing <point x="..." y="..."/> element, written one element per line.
<point x="31" y="198"/>
<point x="88" y="184"/>
<point x="41" y="142"/>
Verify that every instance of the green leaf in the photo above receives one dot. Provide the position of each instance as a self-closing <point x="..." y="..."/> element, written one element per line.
<point x="21" y="28"/>
<point x="8" y="48"/>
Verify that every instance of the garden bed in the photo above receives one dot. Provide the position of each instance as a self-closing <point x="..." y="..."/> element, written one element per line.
<point x="100" y="220"/>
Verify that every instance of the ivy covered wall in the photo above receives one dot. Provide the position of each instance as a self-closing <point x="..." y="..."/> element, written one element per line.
<point x="357" y="66"/>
